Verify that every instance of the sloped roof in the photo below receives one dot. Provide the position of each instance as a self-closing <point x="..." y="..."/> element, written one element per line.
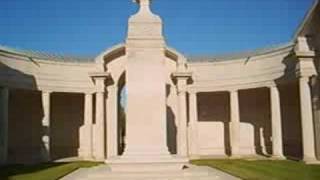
<point x="44" y="56"/>
<point x="306" y="19"/>
<point x="240" y="55"/>
<point x="208" y="58"/>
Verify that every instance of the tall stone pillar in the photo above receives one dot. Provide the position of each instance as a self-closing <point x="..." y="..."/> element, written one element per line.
<point x="307" y="125"/>
<point x="4" y="103"/>
<point x="277" y="145"/>
<point x="86" y="136"/>
<point x="46" y="106"/>
<point x="182" y="78"/>
<point x="146" y="116"/>
<point x="100" y="125"/>
<point x="146" y="128"/>
<point x="112" y="122"/>
<point x="234" y="124"/>
<point x="193" y="124"/>
<point x="305" y="68"/>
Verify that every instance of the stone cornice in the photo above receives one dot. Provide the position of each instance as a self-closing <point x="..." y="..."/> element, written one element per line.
<point x="305" y="54"/>
<point x="99" y="75"/>
<point x="182" y="75"/>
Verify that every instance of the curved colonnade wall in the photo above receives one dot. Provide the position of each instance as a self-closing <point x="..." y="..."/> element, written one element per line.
<point x="69" y="84"/>
<point x="251" y="78"/>
<point x="28" y="81"/>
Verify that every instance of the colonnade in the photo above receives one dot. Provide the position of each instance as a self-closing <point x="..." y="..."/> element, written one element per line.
<point x="308" y="137"/>
<point x="99" y="140"/>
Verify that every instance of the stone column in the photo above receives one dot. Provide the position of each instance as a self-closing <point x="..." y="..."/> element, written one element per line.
<point x="193" y="124"/>
<point x="235" y="123"/>
<point x="86" y="136"/>
<point x="182" y="127"/>
<point x="45" y="150"/>
<point x="305" y="68"/>
<point x="100" y="127"/>
<point x="277" y="145"/>
<point x="100" y="124"/>
<point x="4" y="103"/>
<point x="182" y="140"/>
<point x="307" y="121"/>
<point x="112" y="122"/>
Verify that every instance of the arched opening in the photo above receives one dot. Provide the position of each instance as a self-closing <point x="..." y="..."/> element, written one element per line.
<point x="122" y="107"/>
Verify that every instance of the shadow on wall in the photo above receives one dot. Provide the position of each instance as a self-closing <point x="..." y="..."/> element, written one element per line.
<point x="316" y="103"/>
<point x="214" y="114"/>
<point x="26" y="112"/>
<point x="255" y="111"/>
<point x="25" y="115"/>
<point x="316" y="81"/>
<point x="122" y="104"/>
<point x="290" y="109"/>
<point x="67" y="116"/>
<point x="171" y="126"/>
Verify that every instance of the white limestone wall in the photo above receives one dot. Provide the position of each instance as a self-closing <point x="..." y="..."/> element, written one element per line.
<point x="20" y="72"/>
<point x="214" y="119"/>
<point x="213" y="123"/>
<point x="245" y="73"/>
<point x="115" y="64"/>
<point x="172" y="107"/>
<point x="213" y="137"/>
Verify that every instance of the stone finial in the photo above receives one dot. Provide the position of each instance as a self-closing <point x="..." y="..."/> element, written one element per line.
<point x="144" y="6"/>
<point x="143" y="2"/>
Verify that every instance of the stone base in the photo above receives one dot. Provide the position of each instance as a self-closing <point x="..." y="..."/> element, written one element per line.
<point x="278" y="157"/>
<point x="192" y="172"/>
<point x="311" y="161"/>
<point x="146" y="163"/>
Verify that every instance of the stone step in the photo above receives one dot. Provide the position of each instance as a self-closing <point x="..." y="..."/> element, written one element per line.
<point x="104" y="172"/>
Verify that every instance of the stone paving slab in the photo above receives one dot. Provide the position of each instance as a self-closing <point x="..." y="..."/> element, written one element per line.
<point x="104" y="172"/>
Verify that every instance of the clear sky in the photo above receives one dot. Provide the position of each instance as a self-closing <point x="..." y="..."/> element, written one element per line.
<point x="194" y="27"/>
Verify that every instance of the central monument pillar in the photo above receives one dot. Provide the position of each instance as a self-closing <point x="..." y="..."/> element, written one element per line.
<point x="146" y="115"/>
<point x="146" y="141"/>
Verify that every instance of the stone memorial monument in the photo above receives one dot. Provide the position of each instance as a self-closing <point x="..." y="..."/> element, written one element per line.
<point x="146" y="96"/>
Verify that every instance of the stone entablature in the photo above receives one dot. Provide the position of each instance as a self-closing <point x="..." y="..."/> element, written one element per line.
<point x="71" y="76"/>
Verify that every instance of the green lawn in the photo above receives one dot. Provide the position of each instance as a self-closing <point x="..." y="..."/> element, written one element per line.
<point x="49" y="171"/>
<point x="250" y="170"/>
<point x="265" y="169"/>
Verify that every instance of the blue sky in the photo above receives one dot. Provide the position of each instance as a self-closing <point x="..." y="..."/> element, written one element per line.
<point x="194" y="27"/>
